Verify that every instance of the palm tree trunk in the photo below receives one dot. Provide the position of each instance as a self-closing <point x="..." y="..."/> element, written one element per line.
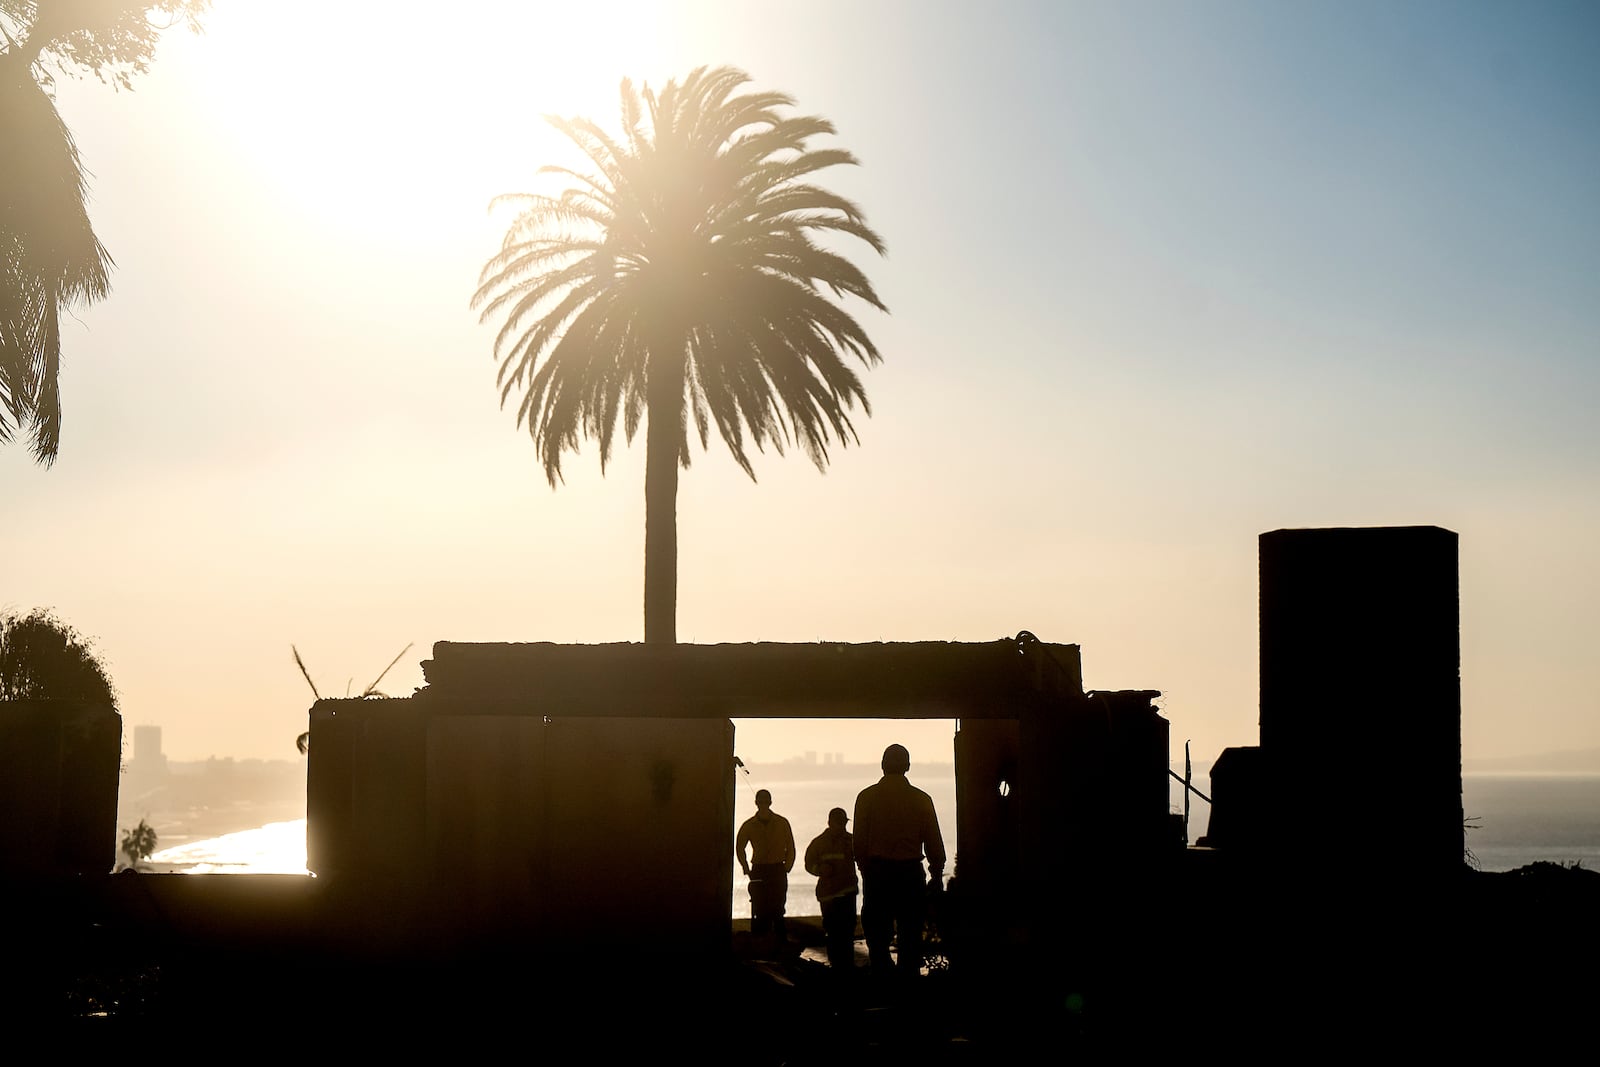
<point x="663" y="446"/>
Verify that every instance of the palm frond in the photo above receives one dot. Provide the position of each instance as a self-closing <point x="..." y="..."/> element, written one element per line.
<point x="372" y="690"/>
<point x="693" y="235"/>
<point x="298" y="662"/>
<point x="50" y="258"/>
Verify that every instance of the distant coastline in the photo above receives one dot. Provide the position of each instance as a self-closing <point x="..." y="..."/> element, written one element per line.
<point x="189" y="801"/>
<point x="1579" y="761"/>
<point x="803" y="771"/>
<point x="177" y="828"/>
<point x="276" y="791"/>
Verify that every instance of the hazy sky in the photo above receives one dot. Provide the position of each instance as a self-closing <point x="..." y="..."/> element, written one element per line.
<point x="1162" y="276"/>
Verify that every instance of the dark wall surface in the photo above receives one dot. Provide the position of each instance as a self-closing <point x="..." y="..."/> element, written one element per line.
<point x="1361" y="688"/>
<point x="59" y="766"/>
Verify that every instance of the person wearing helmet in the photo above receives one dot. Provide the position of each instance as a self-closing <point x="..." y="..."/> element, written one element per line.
<point x="831" y="857"/>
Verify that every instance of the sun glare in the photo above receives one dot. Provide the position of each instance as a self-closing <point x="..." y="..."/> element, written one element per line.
<point x="366" y="114"/>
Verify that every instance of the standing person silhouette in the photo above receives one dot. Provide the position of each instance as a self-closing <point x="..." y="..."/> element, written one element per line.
<point x="771" y="843"/>
<point x="896" y="826"/>
<point x="831" y="857"/>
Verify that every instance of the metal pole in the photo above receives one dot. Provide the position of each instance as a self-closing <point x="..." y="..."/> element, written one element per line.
<point x="1188" y="770"/>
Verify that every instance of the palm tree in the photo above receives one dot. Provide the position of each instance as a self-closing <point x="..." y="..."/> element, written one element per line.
<point x="50" y="257"/>
<point x="683" y="278"/>
<point x="139" y="843"/>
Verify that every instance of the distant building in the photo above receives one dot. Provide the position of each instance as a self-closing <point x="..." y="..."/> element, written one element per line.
<point x="147" y="770"/>
<point x="147" y="754"/>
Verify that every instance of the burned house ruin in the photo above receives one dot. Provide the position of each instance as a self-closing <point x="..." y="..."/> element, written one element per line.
<point x="541" y="791"/>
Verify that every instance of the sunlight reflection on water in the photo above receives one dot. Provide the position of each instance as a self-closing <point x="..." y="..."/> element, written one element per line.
<point x="276" y="848"/>
<point x="1516" y="820"/>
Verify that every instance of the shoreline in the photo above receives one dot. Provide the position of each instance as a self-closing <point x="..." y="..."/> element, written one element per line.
<point x="175" y="829"/>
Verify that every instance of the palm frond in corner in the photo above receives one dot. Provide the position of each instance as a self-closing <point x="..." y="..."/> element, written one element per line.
<point x="372" y="690"/>
<point x="303" y="742"/>
<point x="298" y="662"/>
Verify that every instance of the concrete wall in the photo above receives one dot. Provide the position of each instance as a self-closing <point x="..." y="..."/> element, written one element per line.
<point x="1361" y="694"/>
<point x="480" y="830"/>
<point x="886" y="680"/>
<point x="1240" y="808"/>
<point x="1065" y="805"/>
<point x="987" y="871"/>
<point x="59" y="762"/>
<point x="578" y="831"/>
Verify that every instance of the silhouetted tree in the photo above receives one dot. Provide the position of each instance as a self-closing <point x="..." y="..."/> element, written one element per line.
<point x="50" y="257"/>
<point x="42" y="658"/>
<point x="139" y="843"/>
<point x="683" y="279"/>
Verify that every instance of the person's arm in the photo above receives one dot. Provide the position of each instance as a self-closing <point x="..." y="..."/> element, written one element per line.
<point x="812" y="866"/>
<point x="861" y="821"/>
<point x="739" y="844"/>
<point x="788" y="847"/>
<point x="932" y="840"/>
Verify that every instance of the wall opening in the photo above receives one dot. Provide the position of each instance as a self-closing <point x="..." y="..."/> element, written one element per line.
<point x="812" y="765"/>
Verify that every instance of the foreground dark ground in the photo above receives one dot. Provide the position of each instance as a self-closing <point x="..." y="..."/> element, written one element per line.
<point x="1258" y="964"/>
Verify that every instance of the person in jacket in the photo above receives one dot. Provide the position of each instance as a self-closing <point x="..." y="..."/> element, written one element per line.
<point x="831" y="857"/>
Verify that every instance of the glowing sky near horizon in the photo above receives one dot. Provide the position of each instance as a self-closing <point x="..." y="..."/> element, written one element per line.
<point x="1161" y="276"/>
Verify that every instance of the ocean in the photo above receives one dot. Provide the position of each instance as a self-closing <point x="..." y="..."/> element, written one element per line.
<point x="1516" y="819"/>
<point x="1512" y="820"/>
